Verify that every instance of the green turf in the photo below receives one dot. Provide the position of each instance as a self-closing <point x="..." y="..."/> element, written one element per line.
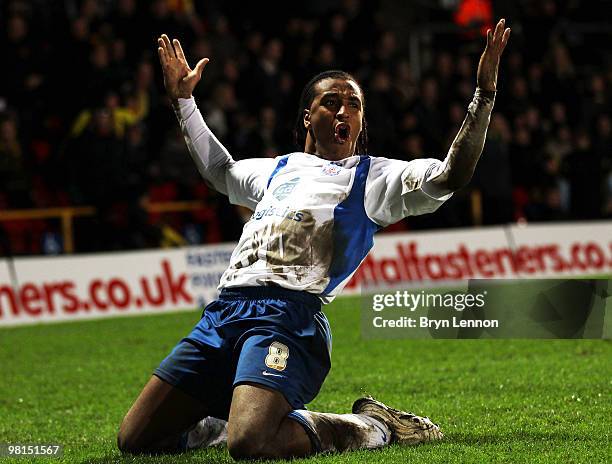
<point x="496" y="400"/>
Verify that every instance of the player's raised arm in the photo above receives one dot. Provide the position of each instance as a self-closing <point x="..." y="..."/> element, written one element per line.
<point x="243" y="181"/>
<point x="467" y="147"/>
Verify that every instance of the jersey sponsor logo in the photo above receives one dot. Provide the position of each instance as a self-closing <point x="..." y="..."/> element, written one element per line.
<point x="277" y="356"/>
<point x="285" y="212"/>
<point x="284" y="190"/>
<point x="331" y="169"/>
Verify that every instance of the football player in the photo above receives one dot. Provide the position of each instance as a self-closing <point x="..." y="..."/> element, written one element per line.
<point x="262" y="350"/>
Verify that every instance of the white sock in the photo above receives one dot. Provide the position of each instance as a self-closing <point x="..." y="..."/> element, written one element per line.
<point x="210" y="431"/>
<point x="380" y="435"/>
<point x="372" y="432"/>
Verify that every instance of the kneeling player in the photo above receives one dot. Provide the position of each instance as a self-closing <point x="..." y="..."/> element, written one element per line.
<point x="262" y="350"/>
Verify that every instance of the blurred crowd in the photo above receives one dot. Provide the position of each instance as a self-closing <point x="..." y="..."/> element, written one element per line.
<point x="84" y="119"/>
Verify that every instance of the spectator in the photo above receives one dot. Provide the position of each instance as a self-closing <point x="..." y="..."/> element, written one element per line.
<point x="493" y="176"/>
<point x="584" y="174"/>
<point x="14" y="177"/>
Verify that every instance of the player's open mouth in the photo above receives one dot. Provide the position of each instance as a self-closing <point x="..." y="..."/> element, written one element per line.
<point x="342" y="132"/>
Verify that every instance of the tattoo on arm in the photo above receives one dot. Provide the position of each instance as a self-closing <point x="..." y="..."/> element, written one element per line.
<point x="469" y="142"/>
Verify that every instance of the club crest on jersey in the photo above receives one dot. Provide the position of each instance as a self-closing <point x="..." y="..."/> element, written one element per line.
<point x="284" y="190"/>
<point x="331" y="169"/>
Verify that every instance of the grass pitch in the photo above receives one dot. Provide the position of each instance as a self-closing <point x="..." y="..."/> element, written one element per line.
<point x="496" y="400"/>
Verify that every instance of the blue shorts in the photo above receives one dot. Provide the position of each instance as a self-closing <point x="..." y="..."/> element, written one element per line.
<point x="270" y="336"/>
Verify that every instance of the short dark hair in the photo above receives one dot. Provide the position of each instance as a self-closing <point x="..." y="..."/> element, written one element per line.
<point x="308" y="94"/>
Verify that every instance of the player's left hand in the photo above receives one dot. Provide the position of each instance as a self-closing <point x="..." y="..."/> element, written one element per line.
<point x="486" y="78"/>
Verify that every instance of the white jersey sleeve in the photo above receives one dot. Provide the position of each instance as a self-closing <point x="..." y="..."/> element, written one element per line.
<point x="396" y="189"/>
<point x="244" y="182"/>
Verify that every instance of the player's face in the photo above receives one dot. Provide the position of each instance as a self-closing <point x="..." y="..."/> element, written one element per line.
<point x="334" y="120"/>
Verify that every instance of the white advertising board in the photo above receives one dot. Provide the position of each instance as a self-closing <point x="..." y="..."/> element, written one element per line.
<point x="46" y="289"/>
<point x="97" y="285"/>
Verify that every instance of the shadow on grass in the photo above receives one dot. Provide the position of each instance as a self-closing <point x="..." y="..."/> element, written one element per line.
<point x="218" y="456"/>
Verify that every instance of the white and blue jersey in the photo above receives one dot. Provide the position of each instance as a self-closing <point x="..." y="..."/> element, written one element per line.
<point x="314" y="220"/>
<point x="313" y="223"/>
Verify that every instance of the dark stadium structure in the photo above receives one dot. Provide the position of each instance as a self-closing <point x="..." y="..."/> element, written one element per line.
<point x="85" y="125"/>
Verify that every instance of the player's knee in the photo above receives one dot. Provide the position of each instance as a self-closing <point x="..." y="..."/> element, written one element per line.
<point x="127" y="443"/>
<point x="244" y="446"/>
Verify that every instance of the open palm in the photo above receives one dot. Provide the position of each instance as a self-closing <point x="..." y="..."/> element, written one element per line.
<point x="486" y="77"/>
<point x="179" y="78"/>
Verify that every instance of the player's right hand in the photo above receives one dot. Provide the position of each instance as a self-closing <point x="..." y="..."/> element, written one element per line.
<point x="179" y="78"/>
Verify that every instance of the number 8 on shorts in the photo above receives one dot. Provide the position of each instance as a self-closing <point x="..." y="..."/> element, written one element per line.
<point x="277" y="356"/>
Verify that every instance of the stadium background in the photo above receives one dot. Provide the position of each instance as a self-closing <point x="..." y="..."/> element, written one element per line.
<point x="85" y="128"/>
<point x="84" y="120"/>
